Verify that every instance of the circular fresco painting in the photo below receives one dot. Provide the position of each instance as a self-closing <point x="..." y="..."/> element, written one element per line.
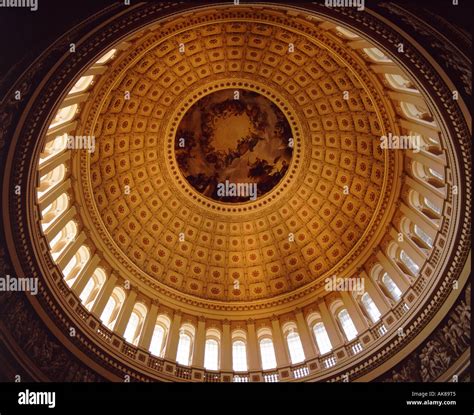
<point x="234" y="146"/>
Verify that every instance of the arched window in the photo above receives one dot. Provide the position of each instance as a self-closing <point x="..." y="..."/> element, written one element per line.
<point x="421" y="203"/>
<point x="411" y="265"/>
<point x="434" y="177"/>
<point x="107" y="57"/>
<point x="64" y="115"/>
<point x="108" y="311"/>
<point x="112" y="308"/>
<point x="211" y="349"/>
<point x="439" y="174"/>
<point x="239" y="356"/>
<point x="267" y="353"/>
<point x="63" y="239"/>
<point x="376" y="55"/>
<point x="404" y="262"/>
<point x="322" y="338"/>
<point x="82" y="84"/>
<point x="185" y="345"/>
<point x="347" y="325"/>
<point x="92" y="288"/>
<point x="135" y="324"/>
<point x="432" y="145"/>
<point x="429" y="143"/>
<point x="211" y="355"/>
<point x="51" y="179"/>
<point x="346" y="33"/>
<point x="423" y="236"/>
<point x="87" y="290"/>
<point x="295" y="347"/>
<point x="400" y="83"/>
<point x="158" y="340"/>
<point x="55" y="146"/>
<point x="370" y="307"/>
<point x="432" y="206"/>
<point x="76" y="264"/>
<point x="417" y="113"/>
<point x="184" y="349"/>
<point x="416" y="234"/>
<point x="54" y="211"/>
<point x="132" y="327"/>
<point x="391" y="287"/>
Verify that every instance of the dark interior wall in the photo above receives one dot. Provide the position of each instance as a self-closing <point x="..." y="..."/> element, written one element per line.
<point x="24" y="33"/>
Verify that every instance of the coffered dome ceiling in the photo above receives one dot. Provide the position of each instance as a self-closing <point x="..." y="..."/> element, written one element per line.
<point x="324" y="206"/>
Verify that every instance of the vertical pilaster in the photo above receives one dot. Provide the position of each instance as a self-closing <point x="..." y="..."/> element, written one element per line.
<point x="125" y="312"/>
<point x="332" y="330"/>
<point x="252" y="347"/>
<point x="104" y="296"/>
<point x="305" y="336"/>
<point x="281" y="354"/>
<point x="358" y="319"/>
<point x="149" y="326"/>
<point x="173" y="338"/>
<point x="200" y="343"/>
<point x="226" y="353"/>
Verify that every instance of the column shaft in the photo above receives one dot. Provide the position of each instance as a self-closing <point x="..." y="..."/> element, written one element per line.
<point x="306" y="339"/>
<point x="125" y="312"/>
<point x="86" y="273"/>
<point x="357" y="317"/>
<point x="173" y="338"/>
<point x="334" y="334"/>
<point x="394" y="273"/>
<point x="148" y="327"/>
<point x="199" y="344"/>
<point x="252" y="348"/>
<point x="226" y="352"/>
<point x="104" y="296"/>
<point x="374" y="291"/>
<point x="281" y="353"/>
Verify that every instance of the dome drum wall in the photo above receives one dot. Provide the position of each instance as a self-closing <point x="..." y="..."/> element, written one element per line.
<point x="189" y="298"/>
